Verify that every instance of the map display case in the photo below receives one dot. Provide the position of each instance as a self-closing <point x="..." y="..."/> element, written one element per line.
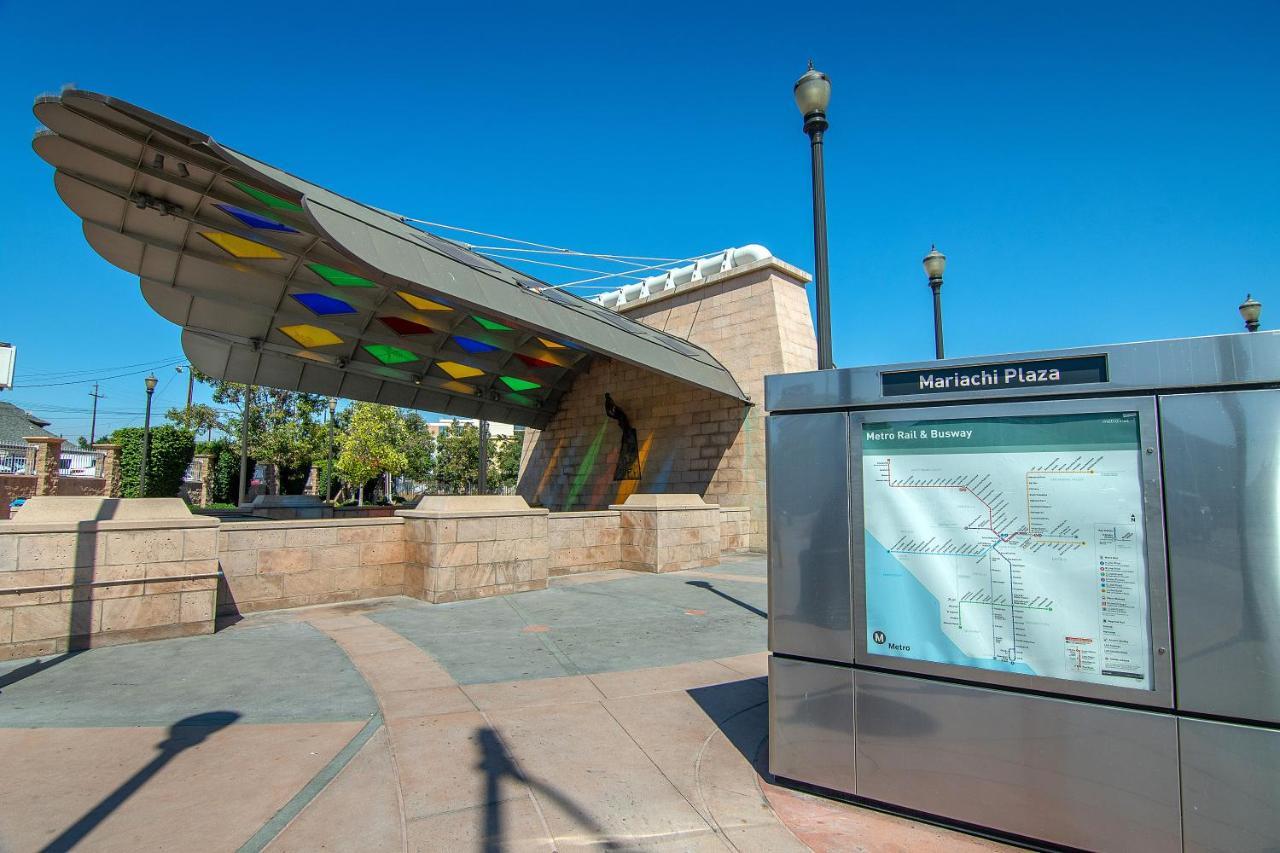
<point x="1037" y="593"/>
<point x="1015" y="543"/>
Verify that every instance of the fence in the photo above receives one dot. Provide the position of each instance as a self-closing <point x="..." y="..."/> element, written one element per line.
<point x="17" y="458"/>
<point x="81" y="463"/>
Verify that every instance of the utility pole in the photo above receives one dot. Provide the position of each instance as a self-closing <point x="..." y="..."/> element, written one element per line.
<point x="191" y="385"/>
<point x="93" y="422"/>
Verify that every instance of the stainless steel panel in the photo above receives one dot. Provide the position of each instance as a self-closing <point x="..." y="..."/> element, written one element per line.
<point x="1161" y="694"/>
<point x="1243" y="359"/>
<point x="1071" y="773"/>
<point x="1230" y="787"/>
<point x="1222" y="501"/>
<point x="811" y="723"/>
<point x="808" y="485"/>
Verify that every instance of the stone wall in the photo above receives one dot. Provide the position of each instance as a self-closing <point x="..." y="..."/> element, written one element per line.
<point x="735" y="529"/>
<point x="267" y="565"/>
<point x="755" y="320"/>
<point x="473" y="547"/>
<point x="13" y="486"/>
<point x="668" y="533"/>
<point x="583" y="542"/>
<point x="80" y="572"/>
<point x="86" y="572"/>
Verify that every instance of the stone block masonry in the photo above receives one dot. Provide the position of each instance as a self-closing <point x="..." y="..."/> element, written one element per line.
<point x="77" y="572"/>
<point x="82" y="572"/>
<point x="269" y="565"/>
<point x="755" y="320"/>
<point x="584" y="542"/>
<point x="460" y="548"/>
<point x="668" y="533"/>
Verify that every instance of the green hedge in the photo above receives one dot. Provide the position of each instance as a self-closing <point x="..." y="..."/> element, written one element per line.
<point x="171" y="452"/>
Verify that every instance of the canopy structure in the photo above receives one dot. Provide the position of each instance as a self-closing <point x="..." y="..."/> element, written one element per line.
<point x="276" y="281"/>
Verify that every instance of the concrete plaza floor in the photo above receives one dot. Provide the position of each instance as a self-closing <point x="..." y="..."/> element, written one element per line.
<point x="611" y="711"/>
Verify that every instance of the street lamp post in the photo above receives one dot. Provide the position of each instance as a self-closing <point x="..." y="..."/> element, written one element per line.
<point x="1250" y="310"/>
<point x="813" y="93"/>
<point x="484" y="458"/>
<point x="244" y="443"/>
<point x="935" y="264"/>
<point x="328" y="468"/>
<point x="146" y="436"/>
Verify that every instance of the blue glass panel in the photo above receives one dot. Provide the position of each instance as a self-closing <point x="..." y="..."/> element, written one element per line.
<point x="254" y="220"/>
<point x="473" y="346"/>
<point x="322" y="305"/>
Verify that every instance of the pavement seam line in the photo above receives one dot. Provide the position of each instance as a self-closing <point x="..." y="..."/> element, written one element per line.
<point x="549" y="644"/>
<point x="290" y="810"/>
<point x="718" y="729"/>
<point x="533" y="797"/>
<point x="712" y="825"/>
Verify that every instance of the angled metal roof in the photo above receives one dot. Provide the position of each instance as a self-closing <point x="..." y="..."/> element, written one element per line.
<point x="276" y="281"/>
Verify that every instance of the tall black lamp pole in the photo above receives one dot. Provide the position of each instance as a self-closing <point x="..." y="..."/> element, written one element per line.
<point x="935" y="264"/>
<point x="328" y="466"/>
<point x="813" y="93"/>
<point x="1251" y="310"/>
<point x="483" y="485"/>
<point x="146" y="437"/>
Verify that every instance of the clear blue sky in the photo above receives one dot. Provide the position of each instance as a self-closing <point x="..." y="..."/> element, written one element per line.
<point x="1095" y="172"/>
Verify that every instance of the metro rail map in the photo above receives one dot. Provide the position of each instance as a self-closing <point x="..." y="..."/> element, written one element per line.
<point x="1011" y="544"/>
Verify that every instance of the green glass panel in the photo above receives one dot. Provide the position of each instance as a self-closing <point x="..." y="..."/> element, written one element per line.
<point x="490" y="325"/>
<point x="388" y="354"/>
<point x="520" y="384"/>
<point x="339" y="278"/>
<point x="266" y="198"/>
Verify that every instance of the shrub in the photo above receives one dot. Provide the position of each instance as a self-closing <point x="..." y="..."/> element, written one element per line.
<point x="170" y="454"/>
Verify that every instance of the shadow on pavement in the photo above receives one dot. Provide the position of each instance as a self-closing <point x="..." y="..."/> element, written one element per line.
<point x="496" y="764"/>
<point x="740" y="709"/>
<point x="184" y="734"/>
<point x="727" y="597"/>
<point x="36" y="666"/>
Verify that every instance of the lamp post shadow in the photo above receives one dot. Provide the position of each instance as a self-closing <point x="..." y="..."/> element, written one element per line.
<point x="738" y="601"/>
<point x="184" y="734"/>
<point x="496" y="764"/>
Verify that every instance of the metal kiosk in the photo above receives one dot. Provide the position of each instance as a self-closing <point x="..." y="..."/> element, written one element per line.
<point x="1036" y="594"/>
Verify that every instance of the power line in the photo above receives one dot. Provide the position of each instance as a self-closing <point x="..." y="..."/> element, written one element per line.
<point x="65" y="374"/>
<point x="102" y="378"/>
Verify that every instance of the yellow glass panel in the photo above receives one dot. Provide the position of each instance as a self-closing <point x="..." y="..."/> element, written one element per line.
<point x="422" y="304"/>
<point x="458" y="387"/>
<point x="458" y="371"/>
<point x="552" y="344"/>
<point x="311" y="336"/>
<point x="239" y="247"/>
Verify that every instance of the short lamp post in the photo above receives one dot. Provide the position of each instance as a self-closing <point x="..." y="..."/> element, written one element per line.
<point x="328" y="466"/>
<point x="146" y="436"/>
<point x="813" y="94"/>
<point x="1251" y="310"/>
<point x="935" y="264"/>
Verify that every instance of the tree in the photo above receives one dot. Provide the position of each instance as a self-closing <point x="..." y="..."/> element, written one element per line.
<point x="286" y="428"/>
<point x="458" y="457"/>
<point x="419" y="447"/>
<point x="372" y="445"/>
<point x="170" y="453"/>
<point x="505" y="460"/>
<point x="196" y="419"/>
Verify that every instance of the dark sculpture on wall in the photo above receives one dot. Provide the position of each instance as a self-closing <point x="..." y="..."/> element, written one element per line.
<point x="629" y="450"/>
